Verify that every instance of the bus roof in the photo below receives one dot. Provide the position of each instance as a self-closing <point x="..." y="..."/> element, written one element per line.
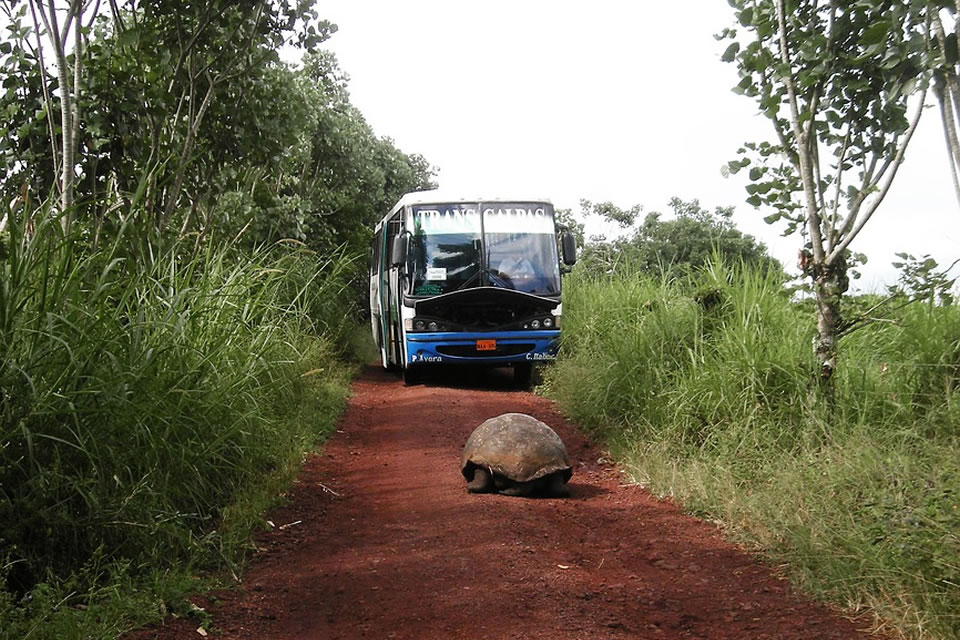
<point x="438" y="196"/>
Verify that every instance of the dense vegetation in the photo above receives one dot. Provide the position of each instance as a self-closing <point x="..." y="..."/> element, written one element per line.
<point x="175" y="334"/>
<point x="689" y="238"/>
<point x="706" y="388"/>
<point x="147" y="412"/>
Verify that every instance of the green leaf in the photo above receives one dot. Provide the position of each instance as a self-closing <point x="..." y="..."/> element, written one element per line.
<point x="764" y="187"/>
<point x="746" y="17"/>
<point x="756" y="173"/>
<point x="129" y="37"/>
<point x="875" y="34"/>
<point x="731" y="52"/>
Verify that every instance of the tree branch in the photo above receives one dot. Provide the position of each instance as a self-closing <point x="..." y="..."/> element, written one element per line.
<point x="47" y="99"/>
<point x="806" y="172"/>
<point x="838" y="192"/>
<point x="898" y="160"/>
<point x="945" y="101"/>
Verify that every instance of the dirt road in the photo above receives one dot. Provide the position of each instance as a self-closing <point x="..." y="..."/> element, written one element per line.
<point x="382" y="541"/>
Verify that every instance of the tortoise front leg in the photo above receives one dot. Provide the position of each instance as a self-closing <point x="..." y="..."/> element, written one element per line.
<point x="481" y="483"/>
<point x="557" y="487"/>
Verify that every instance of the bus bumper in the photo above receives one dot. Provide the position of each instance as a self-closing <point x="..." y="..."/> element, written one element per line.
<point x="460" y="348"/>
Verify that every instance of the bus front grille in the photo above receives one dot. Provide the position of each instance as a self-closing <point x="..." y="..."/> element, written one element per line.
<point x="470" y="350"/>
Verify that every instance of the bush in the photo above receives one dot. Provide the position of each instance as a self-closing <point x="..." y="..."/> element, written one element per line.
<point x="705" y="390"/>
<point x="140" y="398"/>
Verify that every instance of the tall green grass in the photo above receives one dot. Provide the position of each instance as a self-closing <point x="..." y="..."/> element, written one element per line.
<point x="703" y="387"/>
<point x="141" y="397"/>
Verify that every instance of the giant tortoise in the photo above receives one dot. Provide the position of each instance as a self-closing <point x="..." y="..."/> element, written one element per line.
<point x="516" y="455"/>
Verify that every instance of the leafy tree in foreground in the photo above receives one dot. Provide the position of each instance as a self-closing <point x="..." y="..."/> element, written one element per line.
<point x="835" y="80"/>
<point x="166" y="67"/>
<point x="189" y="123"/>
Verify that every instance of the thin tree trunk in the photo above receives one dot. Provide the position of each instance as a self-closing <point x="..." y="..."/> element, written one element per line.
<point x="69" y="213"/>
<point x="826" y="290"/>
<point x="946" y="93"/>
<point x="950" y="135"/>
<point x="804" y="160"/>
<point x="68" y="86"/>
<point x="66" y="120"/>
<point x="830" y="283"/>
<point x="194" y="127"/>
<point x="47" y="99"/>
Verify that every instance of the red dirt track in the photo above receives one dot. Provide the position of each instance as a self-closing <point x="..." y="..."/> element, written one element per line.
<point x="388" y="544"/>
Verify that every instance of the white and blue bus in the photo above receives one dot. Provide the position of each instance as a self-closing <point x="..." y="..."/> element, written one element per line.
<point x="467" y="280"/>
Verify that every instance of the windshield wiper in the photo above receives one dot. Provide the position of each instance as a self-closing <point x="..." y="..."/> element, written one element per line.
<point x="495" y="279"/>
<point x="495" y="276"/>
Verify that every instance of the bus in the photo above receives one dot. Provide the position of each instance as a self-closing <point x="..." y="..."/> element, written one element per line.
<point x="467" y="281"/>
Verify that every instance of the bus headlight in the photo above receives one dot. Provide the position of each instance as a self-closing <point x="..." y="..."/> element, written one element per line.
<point x="419" y="325"/>
<point x="535" y="324"/>
<point x="547" y="323"/>
<point x="433" y="326"/>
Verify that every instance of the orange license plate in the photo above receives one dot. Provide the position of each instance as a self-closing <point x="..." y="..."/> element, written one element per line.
<point x="486" y="345"/>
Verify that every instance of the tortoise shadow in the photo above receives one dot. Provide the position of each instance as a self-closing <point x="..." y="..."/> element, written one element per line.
<point x="577" y="492"/>
<point x="584" y="491"/>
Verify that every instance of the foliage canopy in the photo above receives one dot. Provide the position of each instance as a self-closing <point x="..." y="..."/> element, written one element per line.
<point x="688" y="240"/>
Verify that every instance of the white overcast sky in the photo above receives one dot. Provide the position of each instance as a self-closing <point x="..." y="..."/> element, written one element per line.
<point x="607" y="100"/>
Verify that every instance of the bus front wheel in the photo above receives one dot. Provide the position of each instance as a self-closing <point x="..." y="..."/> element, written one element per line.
<point x="523" y="374"/>
<point x="411" y="375"/>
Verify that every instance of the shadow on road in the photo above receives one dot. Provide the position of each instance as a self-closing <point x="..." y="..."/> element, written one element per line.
<point x="474" y="378"/>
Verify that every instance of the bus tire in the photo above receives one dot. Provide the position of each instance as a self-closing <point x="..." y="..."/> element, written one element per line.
<point x="397" y="351"/>
<point x="412" y="375"/>
<point x="523" y="374"/>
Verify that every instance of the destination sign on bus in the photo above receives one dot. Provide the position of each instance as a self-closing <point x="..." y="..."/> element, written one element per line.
<point x="489" y="211"/>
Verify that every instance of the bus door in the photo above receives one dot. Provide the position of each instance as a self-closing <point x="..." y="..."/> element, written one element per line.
<point x="376" y="271"/>
<point x="390" y="296"/>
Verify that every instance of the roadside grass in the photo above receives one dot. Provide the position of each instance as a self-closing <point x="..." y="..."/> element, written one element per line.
<point x="152" y="407"/>
<point x="702" y="389"/>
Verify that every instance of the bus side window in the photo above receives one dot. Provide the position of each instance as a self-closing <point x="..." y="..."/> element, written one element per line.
<point x="393" y="230"/>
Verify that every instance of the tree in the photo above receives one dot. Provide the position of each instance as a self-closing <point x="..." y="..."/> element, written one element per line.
<point x="686" y="241"/>
<point x="836" y="80"/>
<point x="27" y="135"/>
<point x="945" y="64"/>
<point x="61" y="26"/>
<point x="189" y="114"/>
<point x="163" y="85"/>
<point x="693" y="236"/>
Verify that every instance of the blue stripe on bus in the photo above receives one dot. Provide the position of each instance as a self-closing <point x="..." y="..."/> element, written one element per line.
<point x="422" y="347"/>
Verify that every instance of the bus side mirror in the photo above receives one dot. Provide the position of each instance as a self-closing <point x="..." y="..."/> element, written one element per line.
<point x="569" y="244"/>
<point x="398" y="252"/>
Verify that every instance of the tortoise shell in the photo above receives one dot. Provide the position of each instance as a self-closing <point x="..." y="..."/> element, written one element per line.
<point x="517" y="447"/>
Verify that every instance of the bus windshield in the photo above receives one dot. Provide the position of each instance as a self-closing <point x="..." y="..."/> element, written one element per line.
<point x="514" y="242"/>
